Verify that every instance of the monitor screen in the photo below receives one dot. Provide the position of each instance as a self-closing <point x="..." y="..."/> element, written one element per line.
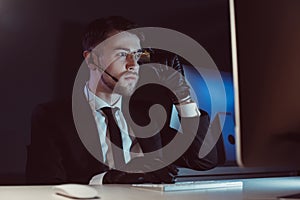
<point x="266" y="69"/>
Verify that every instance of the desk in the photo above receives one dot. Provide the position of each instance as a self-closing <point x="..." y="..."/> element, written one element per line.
<point x="258" y="188"/>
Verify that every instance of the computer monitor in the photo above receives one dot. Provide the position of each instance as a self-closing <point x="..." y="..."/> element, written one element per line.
<point x="266" y="71"/>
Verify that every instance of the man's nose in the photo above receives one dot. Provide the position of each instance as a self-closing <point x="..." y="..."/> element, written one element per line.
<point x="131" y="63"/>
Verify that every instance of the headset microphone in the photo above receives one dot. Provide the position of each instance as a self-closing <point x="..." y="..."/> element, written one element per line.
<point x="111" y="76"/>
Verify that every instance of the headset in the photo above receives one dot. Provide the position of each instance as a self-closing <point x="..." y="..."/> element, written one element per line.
<point x="103" y="70"/>
<point x="111" y="76"/>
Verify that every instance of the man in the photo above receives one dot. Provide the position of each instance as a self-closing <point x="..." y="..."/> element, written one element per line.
<point x="62" y="151"/>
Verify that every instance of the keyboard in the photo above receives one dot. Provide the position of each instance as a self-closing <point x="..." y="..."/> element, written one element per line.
<point x="194" y="185"/>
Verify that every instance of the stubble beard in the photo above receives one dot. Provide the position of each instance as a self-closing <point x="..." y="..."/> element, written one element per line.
<point x="125" y="90"/>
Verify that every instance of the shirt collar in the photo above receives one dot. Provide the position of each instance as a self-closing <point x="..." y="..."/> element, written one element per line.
<point x="97" y="103"/>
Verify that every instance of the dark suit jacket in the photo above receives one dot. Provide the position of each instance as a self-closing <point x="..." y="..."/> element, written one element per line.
<point x="63" y="151"/>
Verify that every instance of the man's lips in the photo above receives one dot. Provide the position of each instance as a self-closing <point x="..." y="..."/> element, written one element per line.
<point x="130" y="77"/>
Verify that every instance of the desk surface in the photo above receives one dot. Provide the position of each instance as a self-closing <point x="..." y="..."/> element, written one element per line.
<point x="258" y="188"/>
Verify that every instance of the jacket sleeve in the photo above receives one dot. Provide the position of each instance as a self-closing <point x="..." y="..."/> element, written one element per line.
<point x="202" y="153"/>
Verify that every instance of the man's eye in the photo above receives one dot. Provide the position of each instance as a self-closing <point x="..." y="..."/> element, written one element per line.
<point x="122" y="54"/>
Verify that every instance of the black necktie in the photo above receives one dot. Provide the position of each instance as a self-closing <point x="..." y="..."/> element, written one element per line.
<point x="115" y="137"/>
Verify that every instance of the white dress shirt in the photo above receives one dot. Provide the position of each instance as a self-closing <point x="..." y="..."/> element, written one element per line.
<point x="96" y="104"/>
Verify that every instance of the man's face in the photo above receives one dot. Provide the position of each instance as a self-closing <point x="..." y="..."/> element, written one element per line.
<point x="115" y="57"/>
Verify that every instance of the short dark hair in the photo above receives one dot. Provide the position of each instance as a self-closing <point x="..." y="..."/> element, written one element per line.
<point x="99" y="29"/>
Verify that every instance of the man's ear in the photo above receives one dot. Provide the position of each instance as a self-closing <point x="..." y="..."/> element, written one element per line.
<point x="85" y="54"/>
<point x="89" y="58"/>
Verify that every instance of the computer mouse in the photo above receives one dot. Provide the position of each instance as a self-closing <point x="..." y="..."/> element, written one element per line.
<point x="77" y="191"/>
